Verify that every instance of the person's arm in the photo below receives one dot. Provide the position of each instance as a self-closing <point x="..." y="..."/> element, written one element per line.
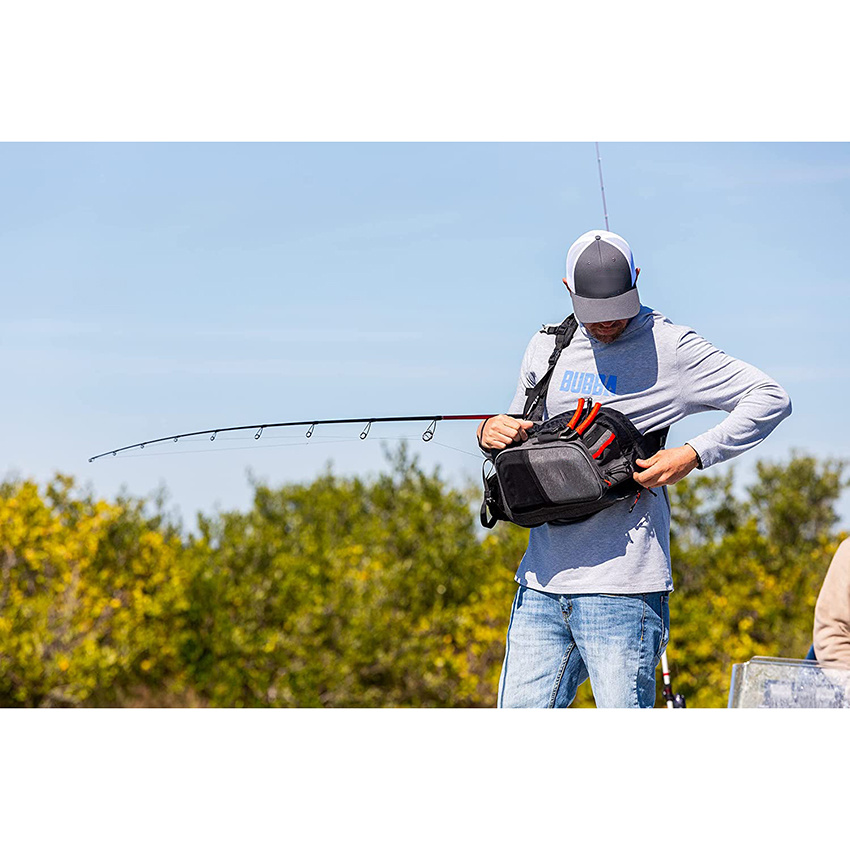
<point x="832" y="612"/>
<point x="709" y="379"/>
<point x="712" y="380"/>
<point x="498" y="432"/>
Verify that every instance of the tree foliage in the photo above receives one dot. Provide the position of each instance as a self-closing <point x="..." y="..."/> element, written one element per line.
<point x="87" y="594"/>
<point x="345" y="592"/>
<point x="366" y="592"/>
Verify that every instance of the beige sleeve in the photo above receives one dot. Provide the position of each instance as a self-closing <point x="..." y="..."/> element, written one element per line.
<point x="832" y="611"/>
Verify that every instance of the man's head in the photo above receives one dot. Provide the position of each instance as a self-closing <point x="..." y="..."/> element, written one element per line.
<point x="602" y="282"/>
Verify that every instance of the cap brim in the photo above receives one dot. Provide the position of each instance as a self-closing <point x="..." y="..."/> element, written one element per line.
<point x="625" y="306"/>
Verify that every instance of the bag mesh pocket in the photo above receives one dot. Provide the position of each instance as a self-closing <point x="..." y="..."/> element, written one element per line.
<point x="566" y="474"/>
<point x="519" y="484"/>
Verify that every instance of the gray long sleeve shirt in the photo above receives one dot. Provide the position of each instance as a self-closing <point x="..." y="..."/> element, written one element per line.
<point x="656" y="373"/>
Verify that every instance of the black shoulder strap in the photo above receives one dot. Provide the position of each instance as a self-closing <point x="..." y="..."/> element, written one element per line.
<point x="535" y="397"/>
<point x="654" y="441"/>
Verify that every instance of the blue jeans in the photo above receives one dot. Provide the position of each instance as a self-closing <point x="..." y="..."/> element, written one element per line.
<point x="556" y="642"/>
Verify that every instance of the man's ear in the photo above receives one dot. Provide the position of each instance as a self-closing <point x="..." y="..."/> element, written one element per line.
<point x="637" y="274"/>
<point x="567" y="285"/>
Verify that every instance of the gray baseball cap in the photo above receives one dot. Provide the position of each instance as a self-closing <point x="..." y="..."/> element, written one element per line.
<point x="601" y="278"/>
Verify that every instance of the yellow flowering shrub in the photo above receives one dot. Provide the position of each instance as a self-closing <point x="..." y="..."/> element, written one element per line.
<point x="87" y="591"/>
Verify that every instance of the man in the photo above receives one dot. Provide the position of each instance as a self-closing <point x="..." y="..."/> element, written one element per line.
<point x="832" y="612"/>
<point x="592" y="600"/>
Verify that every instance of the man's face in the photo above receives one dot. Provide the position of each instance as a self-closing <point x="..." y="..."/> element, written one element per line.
<point x="606" y="331"/>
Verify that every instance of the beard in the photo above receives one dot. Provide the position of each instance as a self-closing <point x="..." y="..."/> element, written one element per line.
<point x="606" y="332"/>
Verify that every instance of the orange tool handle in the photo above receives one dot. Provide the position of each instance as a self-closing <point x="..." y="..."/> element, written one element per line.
<point x="577" y="414"/>
<point x="590" y="417"/>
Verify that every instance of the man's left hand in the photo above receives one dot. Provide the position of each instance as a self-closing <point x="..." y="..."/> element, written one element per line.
<point x="666" y="467"/>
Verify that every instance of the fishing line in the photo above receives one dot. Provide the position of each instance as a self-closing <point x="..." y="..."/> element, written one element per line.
<point x="125" y="456"/>
<point x="324" y="441"/>
<point x="289" y="438"/>
<point x="455" y="449"/>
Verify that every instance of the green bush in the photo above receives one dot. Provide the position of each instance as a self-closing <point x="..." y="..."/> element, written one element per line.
<point x="366" y="592"/>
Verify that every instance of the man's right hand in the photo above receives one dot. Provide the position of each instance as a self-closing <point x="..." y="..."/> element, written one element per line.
<point x="501" y="431"/>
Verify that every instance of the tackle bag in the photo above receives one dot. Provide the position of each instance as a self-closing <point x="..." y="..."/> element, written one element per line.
<point x="572" y="465"/>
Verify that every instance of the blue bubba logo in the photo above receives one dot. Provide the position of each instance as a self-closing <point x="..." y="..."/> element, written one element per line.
<point x="588" y="383"/>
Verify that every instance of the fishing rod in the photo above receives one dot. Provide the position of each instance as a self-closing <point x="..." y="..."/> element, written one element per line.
<point x="601" y="185"/>
<point x="672" y="700"/>
<point x="366" y="421"/>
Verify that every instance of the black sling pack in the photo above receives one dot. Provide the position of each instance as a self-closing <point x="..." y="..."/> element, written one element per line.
<point x="572" y="465"/>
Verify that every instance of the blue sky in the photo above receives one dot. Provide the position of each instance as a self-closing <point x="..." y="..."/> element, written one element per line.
<point x="157" y="288"/>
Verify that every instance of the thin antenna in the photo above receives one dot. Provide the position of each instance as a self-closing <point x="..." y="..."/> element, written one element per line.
<point x="601" y="186"/>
